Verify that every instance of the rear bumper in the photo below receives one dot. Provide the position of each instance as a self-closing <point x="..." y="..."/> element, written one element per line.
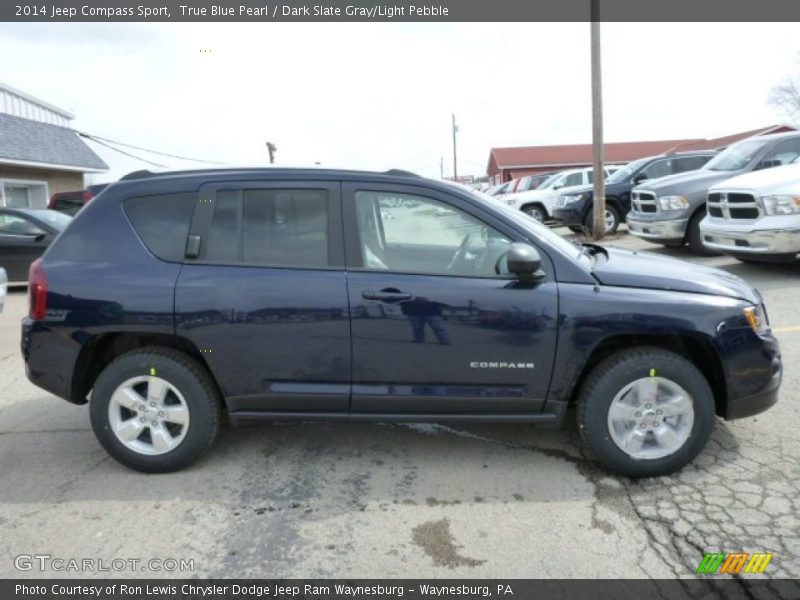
<point x="747" y="240"/>
<point x="671" y="230"/>
<point x="49" y="358"/>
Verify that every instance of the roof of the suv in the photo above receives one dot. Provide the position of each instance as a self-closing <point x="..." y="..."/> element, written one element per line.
<point x="271" y="173"/>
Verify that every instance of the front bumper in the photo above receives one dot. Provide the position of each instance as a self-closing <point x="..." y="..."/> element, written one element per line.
<point x="569" y="215"/>
<point x="671" y="230"/>
<point x="739" y="239"/>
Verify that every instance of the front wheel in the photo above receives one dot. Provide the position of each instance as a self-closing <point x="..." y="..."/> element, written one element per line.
<point x="695" y="237"/>
<point x="611" y="218"/>
<point x="537" y="212"/>
<point x="155" y="410"/>
<point x="645" y="412"/>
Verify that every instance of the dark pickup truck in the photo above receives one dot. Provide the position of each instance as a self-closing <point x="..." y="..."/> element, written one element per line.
<point x="342" y="295"/>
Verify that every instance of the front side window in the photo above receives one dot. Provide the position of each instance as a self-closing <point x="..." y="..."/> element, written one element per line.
<point x="14" y="225"/>
<point x="415" y="234"/>
<point x="783" y="153"/>
<point x="270" y="227"/>
<point x="573" y="179"/>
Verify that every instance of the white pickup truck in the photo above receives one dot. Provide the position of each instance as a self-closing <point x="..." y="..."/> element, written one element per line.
<point x="755" y="217"/>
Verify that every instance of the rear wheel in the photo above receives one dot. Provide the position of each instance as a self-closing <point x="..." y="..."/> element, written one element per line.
<point x="695" y="237"/>
<point x="155" y="410"/>
<point x="645" y="412"/>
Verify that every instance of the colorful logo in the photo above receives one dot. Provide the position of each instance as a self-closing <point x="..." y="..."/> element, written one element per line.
<point x="734" y="562"/>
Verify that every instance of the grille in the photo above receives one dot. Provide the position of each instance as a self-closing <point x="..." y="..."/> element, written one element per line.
<point x="733" y="205"/>
<point x="644" y="202"/>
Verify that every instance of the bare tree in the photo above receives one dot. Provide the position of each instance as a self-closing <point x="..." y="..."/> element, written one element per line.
<point x="786" y="97"/>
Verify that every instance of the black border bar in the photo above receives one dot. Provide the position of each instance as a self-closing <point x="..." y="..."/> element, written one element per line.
<point x="398" y="10"/>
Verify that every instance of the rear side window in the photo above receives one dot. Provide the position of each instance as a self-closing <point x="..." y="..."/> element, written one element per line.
<point x="270" y="227"/>
<point x="690" y="163"/>
<point x="162" y="222"/>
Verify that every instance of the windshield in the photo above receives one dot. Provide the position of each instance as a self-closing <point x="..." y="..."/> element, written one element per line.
<point x="737" y="156"/>
<point x="539" y="230"/>
<point x="54" y="219"/>
<point x="551" y="181"/>
<point x="626" y="172"/>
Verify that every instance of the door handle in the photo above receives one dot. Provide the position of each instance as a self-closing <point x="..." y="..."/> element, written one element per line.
<point x="386" y="296"/>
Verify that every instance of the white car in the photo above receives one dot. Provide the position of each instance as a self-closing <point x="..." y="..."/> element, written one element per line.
<point x="756" y="216"/>
<point x="541" y="202"/>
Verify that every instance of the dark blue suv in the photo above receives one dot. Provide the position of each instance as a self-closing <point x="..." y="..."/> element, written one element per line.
<point x="315" y="294"/>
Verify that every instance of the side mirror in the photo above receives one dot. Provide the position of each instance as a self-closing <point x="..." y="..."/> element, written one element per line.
<point x="640" y="178"/>
<point x="523" y="260"/>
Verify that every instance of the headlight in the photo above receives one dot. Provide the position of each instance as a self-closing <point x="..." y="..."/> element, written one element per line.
<point x="781" y="205"/>
<point x="673" y="202"/>
<point x="756" y="317"/>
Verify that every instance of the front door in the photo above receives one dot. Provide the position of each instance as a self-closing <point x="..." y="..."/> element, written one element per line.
<point x="21" y="242"/>
<point x="438" y="325"/>
<point x="263" y="295"/>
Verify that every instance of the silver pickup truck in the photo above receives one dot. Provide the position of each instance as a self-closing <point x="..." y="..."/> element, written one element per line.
<point x="756" y="217"/>
<point x="668" y="211"/>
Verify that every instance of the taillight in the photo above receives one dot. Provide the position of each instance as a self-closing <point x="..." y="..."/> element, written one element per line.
<point x="37" y="291"/>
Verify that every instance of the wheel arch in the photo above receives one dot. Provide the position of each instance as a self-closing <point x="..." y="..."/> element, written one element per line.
<point x="698" y="350"/>
<point x="103" y="349"/>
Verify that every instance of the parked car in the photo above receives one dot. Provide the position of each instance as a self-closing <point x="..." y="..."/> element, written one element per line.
<point x="669" y="210"/>
<point x="532" y="182"/>
<point x="71" y="202"/>
<point x="290" y="294"/>
<point x="502" y="188"/>
<point x="756" y="217"/>
<point x="575" y="209"/>
<point x="541" y="202"/>
<point x="3" y="288"/>
<point x="25" y="233"/>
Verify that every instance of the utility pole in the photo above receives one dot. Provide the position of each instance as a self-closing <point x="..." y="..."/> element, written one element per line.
<point x="441" y="167"/>
<point x="599" y="221"/>
<point x="455" y="159"/>
<point x="271" y="149"/>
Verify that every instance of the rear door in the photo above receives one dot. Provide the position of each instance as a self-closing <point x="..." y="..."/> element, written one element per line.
<point x="438" y="326"/>
<point x="263" y="294"/>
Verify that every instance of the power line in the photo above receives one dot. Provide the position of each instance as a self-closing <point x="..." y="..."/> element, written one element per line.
<point x="98" y="139"/>
<point x="150" y="162"/>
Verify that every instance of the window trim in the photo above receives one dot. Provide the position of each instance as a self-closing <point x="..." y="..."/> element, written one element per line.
<point x="352" y="238"/>
<point x="201" y="221"/>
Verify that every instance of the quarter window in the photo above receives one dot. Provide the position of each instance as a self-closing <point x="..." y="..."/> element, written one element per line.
<point x="162" y="222"/>
<point x="414" y="234"/>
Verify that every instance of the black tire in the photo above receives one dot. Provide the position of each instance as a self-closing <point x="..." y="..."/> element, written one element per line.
<point x="610" y="376"/>
<point x="187" y="376"/>
<point x="695" y="238"/>
<point x="588" y="220"/>
<point x="535" y="211"/>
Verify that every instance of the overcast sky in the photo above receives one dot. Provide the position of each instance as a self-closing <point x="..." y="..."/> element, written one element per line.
<point x="376" y="96"/>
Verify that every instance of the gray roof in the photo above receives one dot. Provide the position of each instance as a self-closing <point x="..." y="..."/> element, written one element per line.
<point x="33" y="141"/>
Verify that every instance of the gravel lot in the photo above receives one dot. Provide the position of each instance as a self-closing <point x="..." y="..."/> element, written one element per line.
<point x="379" y="500"/>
